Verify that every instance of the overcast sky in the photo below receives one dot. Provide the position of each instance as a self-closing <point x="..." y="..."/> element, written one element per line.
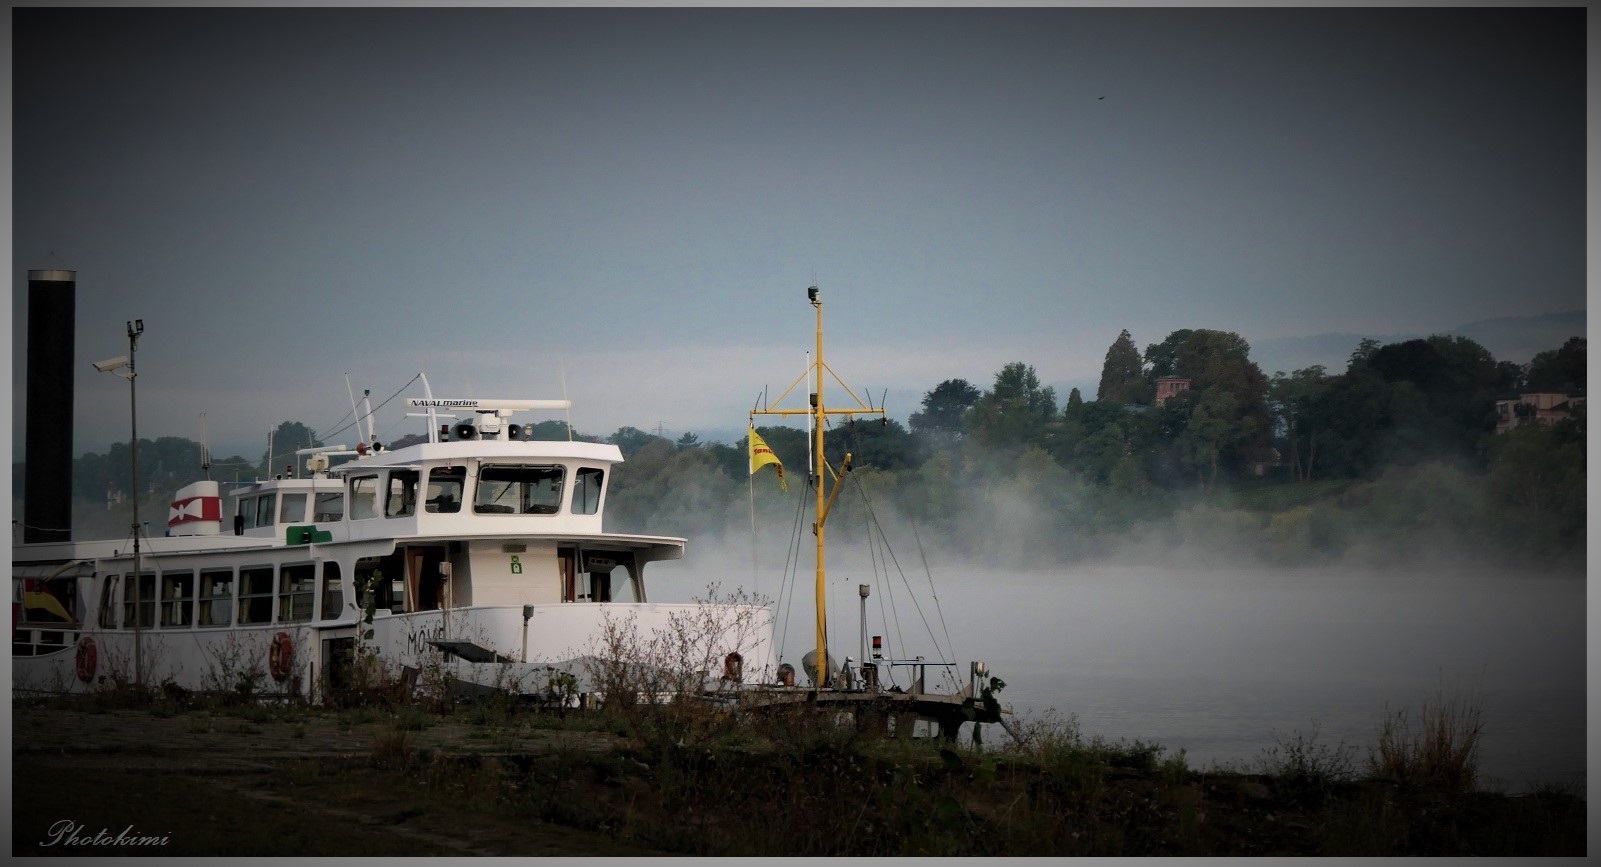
<point x="627" y="205"/>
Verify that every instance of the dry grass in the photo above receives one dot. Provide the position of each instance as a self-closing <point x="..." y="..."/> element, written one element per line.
<point x="1440" y="751"/>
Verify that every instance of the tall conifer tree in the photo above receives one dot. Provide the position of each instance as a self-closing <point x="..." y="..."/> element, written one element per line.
<point x="1122" y="376"/>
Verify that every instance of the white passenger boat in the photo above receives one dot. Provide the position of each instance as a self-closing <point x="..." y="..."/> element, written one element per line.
<point x="478" y="556"/>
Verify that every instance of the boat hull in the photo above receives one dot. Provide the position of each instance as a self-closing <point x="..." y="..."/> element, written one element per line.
<point x="512" y="649"/>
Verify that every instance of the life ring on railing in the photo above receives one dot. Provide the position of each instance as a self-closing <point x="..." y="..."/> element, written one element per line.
<point x="88" y="657"/>
<point x="280" y="655"/>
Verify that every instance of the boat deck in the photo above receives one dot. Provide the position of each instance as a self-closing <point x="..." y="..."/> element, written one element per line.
<point x="891" y="710"/>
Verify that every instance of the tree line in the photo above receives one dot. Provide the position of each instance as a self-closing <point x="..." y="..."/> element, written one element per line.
<point x="1399" y="447"/>
<point x="1189" y="437"/>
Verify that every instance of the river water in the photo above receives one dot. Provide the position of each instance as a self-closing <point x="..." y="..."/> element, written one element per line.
<point x="1225" y="663"/>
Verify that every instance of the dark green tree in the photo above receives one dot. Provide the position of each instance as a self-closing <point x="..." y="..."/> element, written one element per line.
<point x="1211" y="430"/>
<point x="939" y="425"/>
<point x="1537" y="479"/>
<point x="1016" y="411"/>
<point x="1559" y="368"/>
<point x="1075" y="406"/>
<point x="1123" y="373"/>
<point x="1364" y="350"/>
<point x="286" y="439"/>
<point x="884" y="444"/>
<point x="552" y="430"/>
<point x="1293" y="399"/>
<point x="1218" y="363"/>
<point x="1447" y="408"/>
<point x="630" y="440"/>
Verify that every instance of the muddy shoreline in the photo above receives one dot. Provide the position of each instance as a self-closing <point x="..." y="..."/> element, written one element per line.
<point x="159" y="779"/>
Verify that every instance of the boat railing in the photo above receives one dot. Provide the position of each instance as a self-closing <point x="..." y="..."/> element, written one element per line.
<point x="866" y="674"/>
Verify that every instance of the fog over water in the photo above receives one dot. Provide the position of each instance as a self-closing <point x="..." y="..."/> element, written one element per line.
<point x="1221" y="662"/>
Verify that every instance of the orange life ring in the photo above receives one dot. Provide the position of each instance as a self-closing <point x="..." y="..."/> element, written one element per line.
<point x="280" y="656"/>
<point x="87" y="658"/>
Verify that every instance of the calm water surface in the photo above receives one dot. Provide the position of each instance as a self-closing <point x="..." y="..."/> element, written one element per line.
<point x="1225" y="663"/>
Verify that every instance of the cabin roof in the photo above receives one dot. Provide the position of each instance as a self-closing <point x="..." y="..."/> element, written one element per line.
<point x="518" y="450"/>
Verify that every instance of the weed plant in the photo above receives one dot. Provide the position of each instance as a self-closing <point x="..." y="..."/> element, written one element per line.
<point x="1440" y="751"/>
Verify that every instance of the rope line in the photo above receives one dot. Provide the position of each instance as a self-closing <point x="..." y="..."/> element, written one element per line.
<point x="902" y="572"/>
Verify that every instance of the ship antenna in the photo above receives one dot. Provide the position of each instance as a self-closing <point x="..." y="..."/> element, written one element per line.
<point x="205" y="449"/>
<point x="366" y="405"/>
<point x="433" y="415"/>
<point x="561" y="364"/>
<point x="354" y="413"/>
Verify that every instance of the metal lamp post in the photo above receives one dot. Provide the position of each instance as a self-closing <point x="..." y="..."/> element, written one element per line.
<point x="136" y="327"/>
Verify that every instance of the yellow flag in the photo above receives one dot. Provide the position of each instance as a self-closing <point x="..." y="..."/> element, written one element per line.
<point x="761" y="455"/>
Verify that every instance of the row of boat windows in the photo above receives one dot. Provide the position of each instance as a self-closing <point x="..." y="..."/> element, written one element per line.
<point x="285" y="594"/>
<point x="501" y="490"/>
<point x="219" y="597"/>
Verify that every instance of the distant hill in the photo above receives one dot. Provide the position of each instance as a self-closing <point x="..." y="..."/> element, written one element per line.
<point x="1509" y="338"/>
<point x="1520" y="338"/>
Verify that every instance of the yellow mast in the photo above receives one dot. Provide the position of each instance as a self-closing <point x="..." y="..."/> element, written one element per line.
<point x="825" y="499"/>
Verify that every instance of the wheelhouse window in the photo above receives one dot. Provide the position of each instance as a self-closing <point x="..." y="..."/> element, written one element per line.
<point x="177" y="599"/>
<point x="445" y="485"/>
<point x="586" y="491"/>
<point x="333" y="591"/>
<point x="216" y="598"/>
<point x="264" y="510"/>
<point x="247" y="512"/>
<point x="255" y="594"/>
<point x="329" y="507"/>
<point x="363" y="497"/>
<point x="518" y="490"/>
<point x="402" y="499"/>
<point x="147" y="601"/>
<point x="296" y="586"/>
<point x="292" y="508"/>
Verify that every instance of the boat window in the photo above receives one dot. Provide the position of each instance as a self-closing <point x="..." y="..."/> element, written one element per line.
<point x="363" y="497"/>
<point x="622" y="585"/>
<point x="247" y="511"/>
<point x="147" y="601"/>
<point x="402" y="500"/>
<point x="293" y="509"/>
<point x="444" y="488"/>
<point x="296" y="585"/>
<point x="381" y="583"/>
<point x="333" y="592"/>
<point x="177" y="599"/>
<point x="108" y="603"/>
<point x="520" y="490"/>
<point x="607" y="578"/>
<point x="48" y="600"/>
<point x="255" y="594"/>
<point x="330" y="507"/>
<point x="586" y="491"/>
<point x="216" y="598"/>
<point x="264" y="510"/>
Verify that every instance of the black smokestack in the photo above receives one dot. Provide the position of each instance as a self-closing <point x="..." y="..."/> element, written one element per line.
<point x="47" y="477"/>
